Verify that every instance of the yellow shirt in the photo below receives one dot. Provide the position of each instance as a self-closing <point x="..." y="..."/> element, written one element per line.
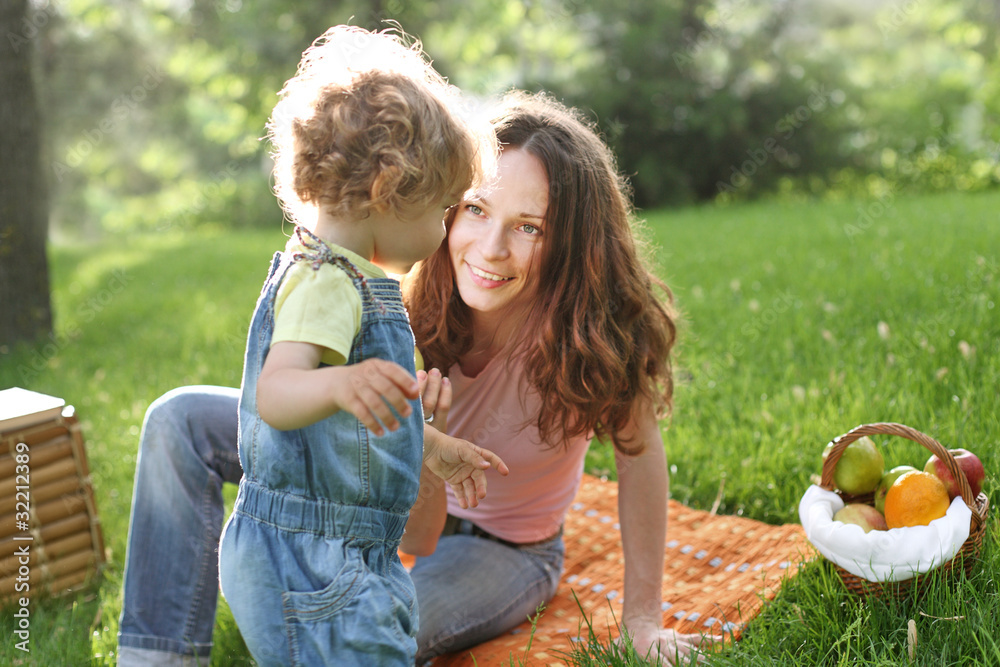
<point x="321" y="306"/>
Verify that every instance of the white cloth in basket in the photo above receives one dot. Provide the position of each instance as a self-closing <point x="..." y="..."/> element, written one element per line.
<point x="882" y="555"/>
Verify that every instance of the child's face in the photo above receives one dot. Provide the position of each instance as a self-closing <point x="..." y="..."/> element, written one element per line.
<point x="403" y="238"/>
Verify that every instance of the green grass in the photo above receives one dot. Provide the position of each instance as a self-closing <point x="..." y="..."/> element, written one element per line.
<point x="780" y="351"/>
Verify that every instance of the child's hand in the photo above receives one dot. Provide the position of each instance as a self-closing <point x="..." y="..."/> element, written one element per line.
<point x="371" y="388"/>
<point x="435" y="394"/>
<point x="461" y="464"/>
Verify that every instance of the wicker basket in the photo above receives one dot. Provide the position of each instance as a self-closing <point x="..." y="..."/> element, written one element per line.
<point x="966" y="556"/>
<point x="63" y="534"/>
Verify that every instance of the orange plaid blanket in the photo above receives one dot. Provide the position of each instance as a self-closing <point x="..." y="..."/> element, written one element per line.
<point x="719" y="572"/>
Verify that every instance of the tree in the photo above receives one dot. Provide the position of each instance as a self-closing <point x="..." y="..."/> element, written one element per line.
<point x="25" y="307"/>
<point x="699" y="98"/>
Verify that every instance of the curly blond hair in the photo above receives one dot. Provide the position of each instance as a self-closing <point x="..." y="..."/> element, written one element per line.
<point x="366" y="123"/>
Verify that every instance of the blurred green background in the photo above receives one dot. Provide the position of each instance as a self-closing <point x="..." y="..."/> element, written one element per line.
<point x="154" y="110"/>
<point x="861" y="286"/>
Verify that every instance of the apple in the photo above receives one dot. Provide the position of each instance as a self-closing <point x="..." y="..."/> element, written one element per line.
<point x="860" y="467"/>
<point x="967" y="462"/>
<point x="886" y="482"/>
<point x="862" y="515"/>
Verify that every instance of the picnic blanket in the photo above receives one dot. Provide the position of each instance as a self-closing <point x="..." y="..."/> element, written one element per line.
<point x="719" y="571"/>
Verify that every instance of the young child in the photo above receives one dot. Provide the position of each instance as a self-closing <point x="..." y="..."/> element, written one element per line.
<point x="369" y="155"/>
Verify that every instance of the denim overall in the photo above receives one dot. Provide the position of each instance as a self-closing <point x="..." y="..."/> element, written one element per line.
<point x="308" y="560"/>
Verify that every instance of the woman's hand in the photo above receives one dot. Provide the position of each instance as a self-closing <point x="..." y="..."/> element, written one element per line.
<point x="669" y="645"/>
<point x="461" y="464"/>
<point x="458" y="462"/>
<point x="435" y="395"/>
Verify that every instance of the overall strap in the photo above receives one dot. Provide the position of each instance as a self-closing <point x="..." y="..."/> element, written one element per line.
<point x="320" y="253"/>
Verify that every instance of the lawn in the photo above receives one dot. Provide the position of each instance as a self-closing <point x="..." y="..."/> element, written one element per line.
<point x="800" y="320"/>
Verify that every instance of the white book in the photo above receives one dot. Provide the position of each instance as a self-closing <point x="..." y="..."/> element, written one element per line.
<point x="20" y="408"/>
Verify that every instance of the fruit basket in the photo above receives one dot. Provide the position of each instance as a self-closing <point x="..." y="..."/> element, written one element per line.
<point x="979" y="506"/>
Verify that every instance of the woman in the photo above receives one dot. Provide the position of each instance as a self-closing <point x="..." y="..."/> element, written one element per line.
<point x="548" y="325"/>
<point x="539" y="306"/>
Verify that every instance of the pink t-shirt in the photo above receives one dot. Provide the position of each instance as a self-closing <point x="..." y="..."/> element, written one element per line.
<point x="496" y="410"/>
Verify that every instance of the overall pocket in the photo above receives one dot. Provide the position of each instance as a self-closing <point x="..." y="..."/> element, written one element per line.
<point x="313" y="606"/>
<point x="361" y="618"/>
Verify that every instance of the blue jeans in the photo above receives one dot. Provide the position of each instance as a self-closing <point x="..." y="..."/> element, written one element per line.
<point x="470" y="590"/>
<point x="186" y="451"/>
<point x="473" y="589"/>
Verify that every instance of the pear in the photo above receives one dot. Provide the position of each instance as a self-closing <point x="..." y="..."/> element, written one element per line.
<point x="860" y="467"/>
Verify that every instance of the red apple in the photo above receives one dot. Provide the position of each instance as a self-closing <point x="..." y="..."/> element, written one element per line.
<point x="862" y="515"/>
<point x="967" y="462"/>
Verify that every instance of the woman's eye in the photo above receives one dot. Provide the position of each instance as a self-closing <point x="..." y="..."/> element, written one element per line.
<point x="531" y="229"/>
<point x="473" y="209"/>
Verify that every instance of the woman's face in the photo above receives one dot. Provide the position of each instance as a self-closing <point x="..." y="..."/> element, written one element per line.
<point x="495" y="239"/>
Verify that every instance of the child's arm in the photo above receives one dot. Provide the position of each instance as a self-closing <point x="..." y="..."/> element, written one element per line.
<point x="293" y="392"/>
<point x="458" y="462"/>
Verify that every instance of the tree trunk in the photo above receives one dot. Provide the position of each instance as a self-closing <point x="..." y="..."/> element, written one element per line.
<point x="25" y="308"/>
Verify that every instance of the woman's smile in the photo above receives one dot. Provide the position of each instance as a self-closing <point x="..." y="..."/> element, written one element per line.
<point x="486" y="278"/>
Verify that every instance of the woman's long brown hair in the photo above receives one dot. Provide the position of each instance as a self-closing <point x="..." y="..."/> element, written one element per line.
<point x="597" y="339"/>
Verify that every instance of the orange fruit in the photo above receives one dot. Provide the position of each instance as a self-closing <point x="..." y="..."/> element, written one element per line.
<point x="915" y="499"/>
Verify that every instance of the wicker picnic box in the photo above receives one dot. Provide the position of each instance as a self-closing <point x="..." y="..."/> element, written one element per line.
<point x="50" y="535"/>
<point x="979" y="505"/>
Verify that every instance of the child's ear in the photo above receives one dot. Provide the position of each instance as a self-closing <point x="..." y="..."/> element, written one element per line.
<point x="381" y="191"/>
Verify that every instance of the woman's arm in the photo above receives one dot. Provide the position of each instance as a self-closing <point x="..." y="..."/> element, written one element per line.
<point x="643" y="486"/>
<point x="642" y="507"/>
<point x="293" y="392"/>
<point x="427" y="517"/>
